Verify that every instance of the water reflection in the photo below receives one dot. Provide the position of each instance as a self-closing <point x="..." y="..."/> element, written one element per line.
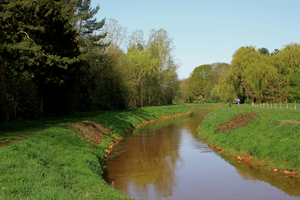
<point x="147" y="159"/>
<point x="290" y="186"/>
<point x="167" y="160"/>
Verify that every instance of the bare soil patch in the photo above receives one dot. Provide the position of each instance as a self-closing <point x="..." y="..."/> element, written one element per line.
<point x="90" y="131"/>
<point x="235" y="122"/>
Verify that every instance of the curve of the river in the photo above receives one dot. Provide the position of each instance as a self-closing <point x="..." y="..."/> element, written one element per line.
<point x="167" y="160"/>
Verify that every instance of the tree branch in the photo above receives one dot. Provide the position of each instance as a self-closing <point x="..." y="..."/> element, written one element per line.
<point x="24" y="33"/>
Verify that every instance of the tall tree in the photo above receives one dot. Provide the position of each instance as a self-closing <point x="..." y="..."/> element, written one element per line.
<point x="259" y="73"/>
<point x="161" y="48"/>
<point x="92" y="71"/>
<point x="200" y="77"/>
<point x="141" y="65"/>
<point x="87" y="26"/>
<point x="287" y="63"/>
<point x="136" y="41"/>
<point x="116" y="34"/>
<point x="218" y="68"/>
<point x="39" y="37"/>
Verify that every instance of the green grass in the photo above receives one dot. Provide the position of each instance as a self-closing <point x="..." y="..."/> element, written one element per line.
<point x="55" y="164"/>
<point x="274" y="135"/>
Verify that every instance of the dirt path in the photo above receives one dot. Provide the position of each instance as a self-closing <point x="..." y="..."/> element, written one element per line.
<point x="21" y="137"/>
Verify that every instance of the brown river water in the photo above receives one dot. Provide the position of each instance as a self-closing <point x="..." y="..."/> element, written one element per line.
<point x="167" y="160"/>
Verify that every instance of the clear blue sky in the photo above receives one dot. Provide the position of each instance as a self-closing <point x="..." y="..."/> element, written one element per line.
<point x="205" y="32"/>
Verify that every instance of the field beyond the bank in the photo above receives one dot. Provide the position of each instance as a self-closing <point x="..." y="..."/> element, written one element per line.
<point x="57" y="161"/>
<point x="272" y="138"/>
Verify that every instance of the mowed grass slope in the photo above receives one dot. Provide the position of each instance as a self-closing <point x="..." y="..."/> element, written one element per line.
<point x="273" y="137"/>
<point x="55" y="163"/>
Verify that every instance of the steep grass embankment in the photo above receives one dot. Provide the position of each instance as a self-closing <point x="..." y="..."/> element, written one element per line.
<point x="64" y="161"/>
<point x="265" y="137"/>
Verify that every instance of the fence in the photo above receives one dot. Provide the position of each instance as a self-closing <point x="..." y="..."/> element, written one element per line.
<point x="277" y="106"/>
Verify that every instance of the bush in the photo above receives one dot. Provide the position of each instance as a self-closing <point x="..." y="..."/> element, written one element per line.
<point x="248" y="101"/>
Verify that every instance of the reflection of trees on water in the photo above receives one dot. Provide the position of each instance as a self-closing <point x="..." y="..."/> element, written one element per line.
<point x="156" y="156"/>
<point x="151" y="159"/>
<point x="290" y="186"/>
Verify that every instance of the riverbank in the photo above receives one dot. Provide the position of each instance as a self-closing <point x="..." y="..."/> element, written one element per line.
<point x="63" y="157"/>
<point x="265" y="137"/>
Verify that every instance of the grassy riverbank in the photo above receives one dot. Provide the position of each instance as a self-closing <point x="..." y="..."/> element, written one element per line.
<point x="63" y="159"/>
<point x="271" y="138"/>
<point x="205" y="105"/>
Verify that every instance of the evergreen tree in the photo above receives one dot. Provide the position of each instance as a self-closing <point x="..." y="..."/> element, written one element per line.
<point x="94" y="73"/>
<point x="39" y="39"/>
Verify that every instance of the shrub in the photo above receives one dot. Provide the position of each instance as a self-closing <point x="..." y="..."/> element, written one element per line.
<point x="248" y="101"/>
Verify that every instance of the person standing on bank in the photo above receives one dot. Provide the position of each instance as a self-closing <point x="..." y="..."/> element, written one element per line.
<point x="238" y="101"/>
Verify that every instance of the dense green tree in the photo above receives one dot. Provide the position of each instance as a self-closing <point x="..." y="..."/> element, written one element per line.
<point x="182" y="95"/>
<point x="253" y="75"/>
<point x="218" y="68"/>
<point x="88" y="27"/>
<point x="93" y="75"/>
<point x="201" y="77"/>
<point x="55" y="58"/>
<point x="250" y="73"/>
<point x="225" y="89"/>
<point x="161" y="48"/>
<point x="38" y="41"/>
<point x="294" y="89"/>
<point x="287" y="63"/>
<point x="258" y="75"/>
<point x="215" y="93"/>
<point x="141" y="65"/>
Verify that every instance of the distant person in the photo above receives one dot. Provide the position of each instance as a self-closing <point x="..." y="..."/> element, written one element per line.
<point x="238" y="101"/>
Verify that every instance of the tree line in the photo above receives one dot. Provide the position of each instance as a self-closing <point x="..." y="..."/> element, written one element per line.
<point x="56" y="58"/>
<point x="254" y="75"/>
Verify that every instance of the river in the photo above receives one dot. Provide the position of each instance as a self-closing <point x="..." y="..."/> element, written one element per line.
<point x="167" y="160"/>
